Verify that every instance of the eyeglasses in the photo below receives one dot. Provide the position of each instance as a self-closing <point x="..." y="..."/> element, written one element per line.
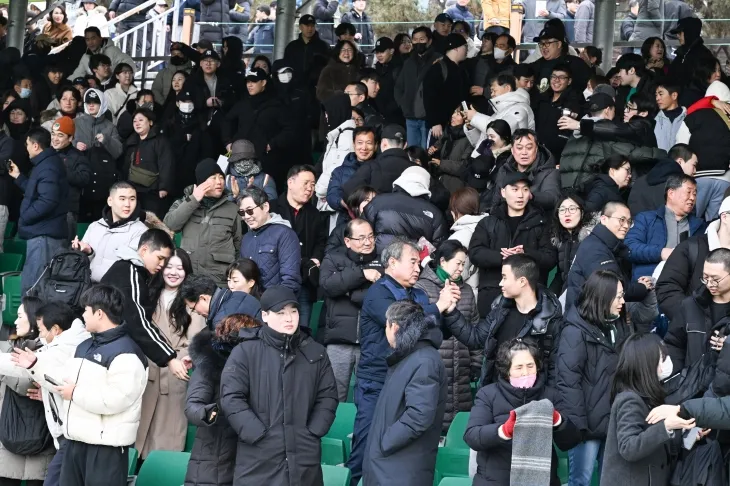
<point x="569" y="210"/>
<point x="556" y="77"/>
<point x="545" y="44"/>
<point x="628" y="108"/>
<point x="192" y="309"/>
<point x="624" y="221"/>
<point x="363" y="239"/>
<point x="351" y="94"/>
<point x="712" y="282"/>
<point x="347" y="51"/>
<point x="248" y="211"/>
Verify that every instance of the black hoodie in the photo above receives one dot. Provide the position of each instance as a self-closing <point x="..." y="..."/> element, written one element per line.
<point x="647" y="193"/>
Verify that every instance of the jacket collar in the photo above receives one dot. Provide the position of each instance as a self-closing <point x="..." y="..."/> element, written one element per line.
<point x="608" y="238"/>
<point x="522" y="395"/>
<point x="362" y="258"/>
<point x="47" y="153"/>
<point x="109" y="336"/>
<point x="137" y="215"/>
<point x="547" y="308"/>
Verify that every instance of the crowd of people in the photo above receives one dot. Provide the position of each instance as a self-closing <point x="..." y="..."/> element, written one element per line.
<point x="559" y="237"/>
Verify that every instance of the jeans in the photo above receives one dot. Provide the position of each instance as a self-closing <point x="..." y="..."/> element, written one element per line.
<point x="4" y="216"/>
<point x="39" y="252"/>
<point x="416" y="133"/>
<point x="53" y="476"/>
<point x="305" y="307"/>
<point x="366" y="397"/>
<point x="582" y="459"/>
<point x="710" y="193"/>
<point x="344" y="358"/>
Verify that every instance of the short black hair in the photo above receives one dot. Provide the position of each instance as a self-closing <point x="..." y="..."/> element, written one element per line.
<point x="504" y="80"/>
<point x="669" y="84"/>
<point x="257" y="194"/>
<point x="364" y="129"/>
<point x="464" y="23"/>
<point x="156" y="239"/>
<point x="425" y="30"/>
<point x="196" y="285"/>
<point x="680" y="151"/>
<point x="369" y="74"/>
<point x="107" y="299"/>
<point x="92" y="30"/>
<point x="265" y="9"/>
<point x="594" y="51"/>
<point x="121" y="185"/>
<point x="298" y="169"/>
<point x="510" y="40"/>
<point x="41" y="136"/>
<point x="632" y="61"/>
<point x="719" y="255"/>
<point x="345" y="28"/>
<point x="96" y="59"/>
<point x="523" y="71"/>
<point x="56" y="314"/>
<point x="145" y="92"/>
<point x="354" y="222"/>
<point x="675" y="181"/>
<point x="145" y="112"/>
<point x="645" y="102"/>
<point x="360" y="88"/>
<point x="521" y="133"/>
<point x="524" y="266"/>
<point x="563" y="67"/>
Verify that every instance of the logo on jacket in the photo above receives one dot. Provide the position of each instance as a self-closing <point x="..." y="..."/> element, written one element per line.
<point x="428" y="213"/>
<point x="97" y="357"/>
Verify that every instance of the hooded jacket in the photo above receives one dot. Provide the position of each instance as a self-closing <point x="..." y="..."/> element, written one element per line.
<point x="379" y="173"/>
<point x="78" y="174"/>
<point x="153" y="154"/>
<point x="406" y="425"/>
<point x="647" y="192"/>
<point x="274" y="247"/>
<point x="224" y="303"/>
<point x="213" y="457"/>
<point x="600" y="190"/>
<point x="512" y="107"/>
<point x="129" y="275"/>
<point x="462" y="231"/>
<point x="261" y="37"/>
<point x="108" y="49"/>
<point x="279" y="395"/>
<point x="211" y="234"/>
<point x="95" y="17"/>
<point x="363" y="26"/>
<point x="406" y="212"/>
<point x="666" y="130"/>
<point x="89" y="127"/>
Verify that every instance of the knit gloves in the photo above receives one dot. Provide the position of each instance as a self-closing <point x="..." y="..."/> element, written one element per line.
<point x="507" y="430"/>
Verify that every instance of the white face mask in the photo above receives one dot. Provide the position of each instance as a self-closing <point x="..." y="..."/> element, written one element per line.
<point x="666" y="370"/>
<point x="186" y="107"/>
<point x="285" y="77"/>
<point x="499" y="53"/>
<point x="587" y="93"/>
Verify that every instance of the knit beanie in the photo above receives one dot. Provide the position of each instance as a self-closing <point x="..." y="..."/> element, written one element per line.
<point x="65" y="125"/>
<point x="205" y="169"/>
<point x="415" y="181"/>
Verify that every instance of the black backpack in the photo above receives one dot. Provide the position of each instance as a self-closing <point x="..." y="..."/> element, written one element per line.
<point x="419" y="107"/>
<point x="104" y="173"/>
<point x="23" y="428"/>
<point x="64" y="279"/>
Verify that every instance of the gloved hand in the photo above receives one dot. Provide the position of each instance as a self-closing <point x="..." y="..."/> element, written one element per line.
<point x="508" y="428"/>
<point x="557" y="419"/>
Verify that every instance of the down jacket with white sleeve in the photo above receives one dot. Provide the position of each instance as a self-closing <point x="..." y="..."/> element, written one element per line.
<point x="512" y="107"/>
<point x="110" y="372"/>
<point x="107" y="48"/>
<point x="339" y="145"/>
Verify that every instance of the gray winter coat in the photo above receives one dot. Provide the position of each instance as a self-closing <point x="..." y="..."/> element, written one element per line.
<point x="88" y="127"/>
<point x="649" y="21"/>
<point x="211" y="236"/>
<point x="13" y="466"/>
<point x="531" y="28"/>
<point x="162" y="84"/>
<point x="584" y="21"/>
<point x="215" y="11"/>
<point x="461" y="364"/>
<point x="454" y="155"/>
<point x="636" y="453"/>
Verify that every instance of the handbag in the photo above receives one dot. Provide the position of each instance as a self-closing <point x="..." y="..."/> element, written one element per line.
<point x="692" y="380"/>
<point x="23" y="428"/>
<point x="143" y="177"/>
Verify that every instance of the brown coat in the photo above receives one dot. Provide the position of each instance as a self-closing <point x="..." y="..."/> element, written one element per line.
<point x="163" y="425"/>
<point x="335" y="77"/>
<point x="60" y="34"/>
<point x="496" y="9"/>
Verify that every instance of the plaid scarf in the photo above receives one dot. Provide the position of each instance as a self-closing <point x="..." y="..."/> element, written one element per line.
<point x="532" y="444"/>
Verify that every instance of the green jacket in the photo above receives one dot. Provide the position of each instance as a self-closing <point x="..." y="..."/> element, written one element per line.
<point x="212" y="237"/>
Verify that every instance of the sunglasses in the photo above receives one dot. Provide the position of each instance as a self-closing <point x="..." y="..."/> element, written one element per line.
<point x="248" y="212"/>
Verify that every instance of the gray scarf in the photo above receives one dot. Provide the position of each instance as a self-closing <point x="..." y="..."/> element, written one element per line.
<point x="532" y="444"/>
<point x="247" y="167"/>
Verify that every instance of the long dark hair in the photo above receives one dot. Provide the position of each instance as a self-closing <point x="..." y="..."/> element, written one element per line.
<point x="31" y="305"/>
<point x="636" y="370"/>
<point x="178" y="314"/>
<point x="250" y="271"/>
<point x="646" y="49"/>
<point x="558" y="229"/>
<point x="596" y="296"/>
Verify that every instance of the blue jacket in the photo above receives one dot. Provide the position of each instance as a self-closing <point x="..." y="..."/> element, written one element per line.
<point x="457" y="12"/>
<point x="275" y="249"/>
<point x="261" y="38"/>
<point x="374" y="347"/>
<point x="225" y="303"/>
<point x="339" y="176"/>
<point x="45" y="198"/>
<point x="648" y="238"/>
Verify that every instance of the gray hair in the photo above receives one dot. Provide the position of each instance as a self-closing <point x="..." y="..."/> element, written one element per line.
<point x="395" y="250"/>
<point x="411" y="320"/>
<point x="258" y="195"/>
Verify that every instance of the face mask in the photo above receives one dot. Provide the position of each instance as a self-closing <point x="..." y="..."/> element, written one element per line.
<point x="147" y="106"/>
<point x="666" y="370"/>
<point x="523" y="381"/>
<point x="587" y="93"/>
<point x="285" y="77"/>
<point x="499" y="53"/>
<point x="419" y="48"/>
<point x="178" y="61"/>
<point x="187" y="107"/>
<point x="25" y="93"/>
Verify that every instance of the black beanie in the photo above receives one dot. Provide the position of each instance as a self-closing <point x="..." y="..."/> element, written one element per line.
<point x="205" y="169"/>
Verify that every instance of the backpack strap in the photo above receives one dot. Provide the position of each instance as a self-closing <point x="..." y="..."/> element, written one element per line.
<point x="724" y="117"/>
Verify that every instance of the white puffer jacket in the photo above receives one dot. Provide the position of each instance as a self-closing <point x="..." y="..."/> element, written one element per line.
<point x="92" y="18"/>
<point x="512" y="107"/>
<point x="108" y="49"/>
<point x="339" y="144"/>
<point x="117" y="100"/>
<point x="105" y="239"/>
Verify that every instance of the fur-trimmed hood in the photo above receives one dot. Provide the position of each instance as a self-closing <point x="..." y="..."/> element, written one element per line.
<point x="408" y="339"/>
<point x="207" y="351"/>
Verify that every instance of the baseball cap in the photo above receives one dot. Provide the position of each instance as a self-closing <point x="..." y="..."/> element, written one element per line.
<point x="393" y="132"/>
<point x="242" y="150"/>
<point x="444" y="17"/>
<point x="210" y="54"/>
<point x="80" y="81"/>
<point x="307" y="20"/>
<point x="92" y="97"/>
<point x="512" y="178"/>
<point x="454" y="41"/>
<point x="383" y="44"/>
<point x="687" y="23"/>
<point x="256" y="74"/>
<point x="277" y="297"/>
<point x="725" y="206"/>
<point x="184" y="96"/>
<point x="599" y="101"/>
<point x="605" y="89"/>
<point x="204" y="44"/>
<point x="65" y="125"/>
<point x="478" y="172"/>
<point x="550" y="32"/>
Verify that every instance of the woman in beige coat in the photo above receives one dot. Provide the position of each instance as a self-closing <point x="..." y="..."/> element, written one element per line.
<point x="163" y="425"/>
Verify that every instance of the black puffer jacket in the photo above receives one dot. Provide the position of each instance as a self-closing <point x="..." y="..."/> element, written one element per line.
<point x="547" y="114"/>
<point x="491" y="409"/>
<point x="379" y="173"/>
<point x="544" y="181"/>
<point x="344" y="286"/>
<point x="681" y="274"/>
<point x="567" y="245"/>
<point x="398" y="214"/>
<point x="153" y="154"/>
<point x="324" y="14"/>
<point x="542" y="324"/>
<point x="647" y="192"/>
<point x="279" y="395"/>
<point x="215" y="11"/>
<point x="585" y="362"/>
<point x="408" y="81"/>
<point x="78" y="172"/>
<point x="710" y="140"/>
<point x="601" y="190"/>
<point x="214" y="451"/>
<point x="493" y="233"/>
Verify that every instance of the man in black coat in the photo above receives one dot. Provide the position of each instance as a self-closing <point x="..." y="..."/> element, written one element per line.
<point x="279" y="395"/>
<point x="324" y="12"/>
<point x="310" y="226"/>
<point x="515" y="226"/>
<point x="445" y="86"/>
<point x="604" y="249"/>
<point x="635" y="78"/>
<point x="363" y="25"/>
<point x="402" y="446"/>
<point x="554" y="50"/>
<point x="388" y="68"/>
<point x="647" y="192"/>
<point x="309" y="53"/>
<point x="691" y="52"/>
<point x="345" y="276"/>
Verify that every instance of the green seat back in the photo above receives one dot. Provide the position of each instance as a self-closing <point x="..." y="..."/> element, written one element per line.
<point x="451" y="463"/>
<point x="351" y="389"/>
<point x="455" y="434"/>
<point x="9" y="230"/>
<point x="333" y="451"/>
<point x="12" y="295"/>
<point x="11" y="262"/>
<point x="177" y="239"/>
<point x="15" y="246"/>
<point x="81" y="229"/>
<point x="314" y="318"/>
<point x="335" y="475"/>
<point x="190" y="437"/>
<point x="343" y="425"/>
<point x="133" y="458"/>
<point x="163" y="468"/>
<point x="455" y="482"/>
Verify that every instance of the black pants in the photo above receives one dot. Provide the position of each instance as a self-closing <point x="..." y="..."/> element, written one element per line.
<point x="17" y="482"/>
<point x="94" y="465"/>
<point x="53" y="476"/>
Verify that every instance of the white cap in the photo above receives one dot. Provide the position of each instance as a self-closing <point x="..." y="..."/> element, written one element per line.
<point x="725" y="206"/>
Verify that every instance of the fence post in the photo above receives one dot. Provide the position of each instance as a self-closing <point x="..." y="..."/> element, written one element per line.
<point x="603" y="28"/>
<point x="16" y="28"/>
<point x="285" y="15"/>
<point x="186" y="36"/>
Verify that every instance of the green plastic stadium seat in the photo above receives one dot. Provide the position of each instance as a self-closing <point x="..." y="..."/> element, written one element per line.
<point x="81" y="229"/>
<point x="451" y="463"/>
<point x="11" y="262"/>
<point x="335" y="475"/>
<point x="455" y="482"/>
<point x="351" y="389"/>
<point x="9" y="230"/>
<point x="333" y="451"/>
<point x="190" y="437"/>
<point x="163" y="468"/>
<point x="177" y="239"/>
<point x="15" y="246"/>
<point x="314" y="318"/>
<point x="12" y="295"/>
<point x="455" y="434"/>
<point x="133" y="458"/>
<point x="343" y="425"/>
